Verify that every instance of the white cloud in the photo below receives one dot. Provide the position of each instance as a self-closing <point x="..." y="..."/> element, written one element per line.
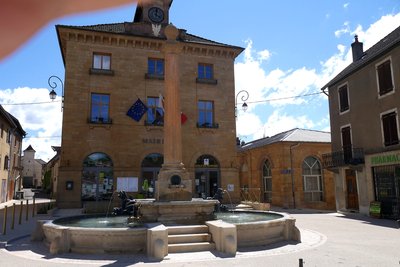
<point x="277" y="83"/>
<point x="346" y="5"/>
<point x="344" y="30"/>
<point x="280" y="122"/>
<point x="42" y="122"/>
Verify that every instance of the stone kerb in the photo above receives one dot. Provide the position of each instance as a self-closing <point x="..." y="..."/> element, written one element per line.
<point x="157" y="241"/>
<point x="224" y="236"/>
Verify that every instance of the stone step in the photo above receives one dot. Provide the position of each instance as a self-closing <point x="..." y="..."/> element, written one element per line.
<point x="187" y="229"/>
<point x="189" y="238"/>
<point x="191" y="247"/>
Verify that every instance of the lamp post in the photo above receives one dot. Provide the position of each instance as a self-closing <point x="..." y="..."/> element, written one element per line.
<point x="244" y="97"/>
<point x="53" y="85"/>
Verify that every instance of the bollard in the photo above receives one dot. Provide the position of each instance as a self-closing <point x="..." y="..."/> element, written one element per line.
<point x="27" y="209"/>
<point x="301" y="262"/>
<point x="5" y="220"/>
<point x="13" y="217"/>
<point x="33" y="207"/>
<point x="20" y="212"/>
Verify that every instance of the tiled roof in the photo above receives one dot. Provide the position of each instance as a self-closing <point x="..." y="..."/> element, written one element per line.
<point x="119" y="28"/>
<point x="383" y="46"/>
<point x="294" y="135"/>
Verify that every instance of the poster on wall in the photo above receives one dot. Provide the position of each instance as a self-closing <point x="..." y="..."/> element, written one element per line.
<point x="231" y="187"/>
<point x="128" y="184"/>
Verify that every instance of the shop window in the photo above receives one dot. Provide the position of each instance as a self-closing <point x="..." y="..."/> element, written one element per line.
<point x="312" y="180"/>
<point x="97" y="177"/>
<point x="390" y="128"/>
<point x="385" y="80"/>
<point x="343" y="98"/>
<point x="100" y="108"/>
<point x="267" y="181"/>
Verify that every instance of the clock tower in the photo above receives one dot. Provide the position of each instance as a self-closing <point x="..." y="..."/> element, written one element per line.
<point x="153" y="11"/>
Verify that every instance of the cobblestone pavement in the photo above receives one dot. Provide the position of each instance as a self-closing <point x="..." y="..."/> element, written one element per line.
<point x="328" y="239"/>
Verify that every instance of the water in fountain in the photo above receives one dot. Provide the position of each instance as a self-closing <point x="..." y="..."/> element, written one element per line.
<point x="230" y="200"/>
<point x="109" y="203"/>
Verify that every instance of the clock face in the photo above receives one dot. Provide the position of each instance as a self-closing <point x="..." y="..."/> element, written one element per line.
<point x="156" y="14"/>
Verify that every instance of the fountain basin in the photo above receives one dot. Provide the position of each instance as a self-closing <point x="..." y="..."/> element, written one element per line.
<point x="152" y="238"/>
<point x="64" y="239"/>
<point x="271" y="227"/>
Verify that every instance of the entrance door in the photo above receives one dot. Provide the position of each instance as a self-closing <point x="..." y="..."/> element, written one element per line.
<point x="207" y="183"/>
<point x="149" y="174"/>
<point x="352" y="195"/>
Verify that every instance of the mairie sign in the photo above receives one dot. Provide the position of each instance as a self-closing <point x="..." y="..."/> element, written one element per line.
<point x="385" y="159"/>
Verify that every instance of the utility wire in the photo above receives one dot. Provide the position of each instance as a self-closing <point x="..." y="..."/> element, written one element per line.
<point x="32" y="103"/>
<point x="283" y="98"/>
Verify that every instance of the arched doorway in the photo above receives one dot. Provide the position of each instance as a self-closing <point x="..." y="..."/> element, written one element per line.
<point x="151" y="166"/>
<point x="207" y="176"/>
<point x="97" y="177"/>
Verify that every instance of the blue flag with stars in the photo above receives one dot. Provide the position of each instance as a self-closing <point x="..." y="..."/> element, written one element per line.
<point x="137" y="110"/>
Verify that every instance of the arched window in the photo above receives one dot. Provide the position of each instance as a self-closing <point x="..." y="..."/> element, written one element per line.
<point x="267" y="181"/>
<point x="312" y="179"/>
<point x="97" y="177"/>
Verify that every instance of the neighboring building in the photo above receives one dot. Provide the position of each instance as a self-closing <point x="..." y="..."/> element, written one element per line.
<point x="286" y="170"/>
<point x="11" y="135"/>
<point x="364" y="111"/>
<point x="50" y="173"/>
<point x="111" y="70"/>
<point x="32" y="169"/>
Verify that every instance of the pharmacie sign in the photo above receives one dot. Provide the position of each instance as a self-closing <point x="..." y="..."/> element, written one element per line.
<point x="386" y="159"/>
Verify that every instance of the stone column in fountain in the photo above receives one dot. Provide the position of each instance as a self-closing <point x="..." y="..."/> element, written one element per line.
<point x="174" y="183"/>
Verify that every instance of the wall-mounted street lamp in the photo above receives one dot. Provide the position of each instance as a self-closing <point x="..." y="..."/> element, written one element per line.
<point x="244" y="97"/>
<point x="53" y="85"/>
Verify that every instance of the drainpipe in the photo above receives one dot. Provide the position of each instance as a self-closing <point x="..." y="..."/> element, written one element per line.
<point x="291" y="173"/>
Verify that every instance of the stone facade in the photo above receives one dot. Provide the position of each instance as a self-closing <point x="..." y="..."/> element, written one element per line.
<point x="360" y="137"/>
<point x="286" y="160"/>
<point x="11" y="134"/>
<point x="125" y="141"/>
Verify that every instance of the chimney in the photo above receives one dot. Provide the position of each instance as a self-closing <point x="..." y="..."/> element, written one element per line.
<point x="357" y="48"/>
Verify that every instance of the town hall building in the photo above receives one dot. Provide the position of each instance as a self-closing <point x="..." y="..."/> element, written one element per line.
<point x="113" y="126"/>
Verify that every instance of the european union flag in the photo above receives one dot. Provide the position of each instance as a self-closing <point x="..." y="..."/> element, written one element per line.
<point x="137" y="110"/>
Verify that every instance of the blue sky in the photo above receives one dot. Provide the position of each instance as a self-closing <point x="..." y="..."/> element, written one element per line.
<point x="292" y="48"/>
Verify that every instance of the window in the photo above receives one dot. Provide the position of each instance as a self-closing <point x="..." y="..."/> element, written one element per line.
<point x="2" y="130"/>
<point x="205" y="71"/>
<point x="100" y="108"/>
<point x="155" y="112"/>
<point x="343" y="98"/>
<point x="6" y="162"/>
<point x="101" y="61"/>
<point x="267" y="181"/>
<point x="385" y="81"/>
<point x="390" y="128"/>
<point x="155" y="67"/>
<point x="206" y="114"/>
<point x="8" y="136"/>
<point x="312" y="177"/>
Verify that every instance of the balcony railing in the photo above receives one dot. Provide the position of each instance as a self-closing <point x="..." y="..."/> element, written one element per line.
<point x="354" y="156"/>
